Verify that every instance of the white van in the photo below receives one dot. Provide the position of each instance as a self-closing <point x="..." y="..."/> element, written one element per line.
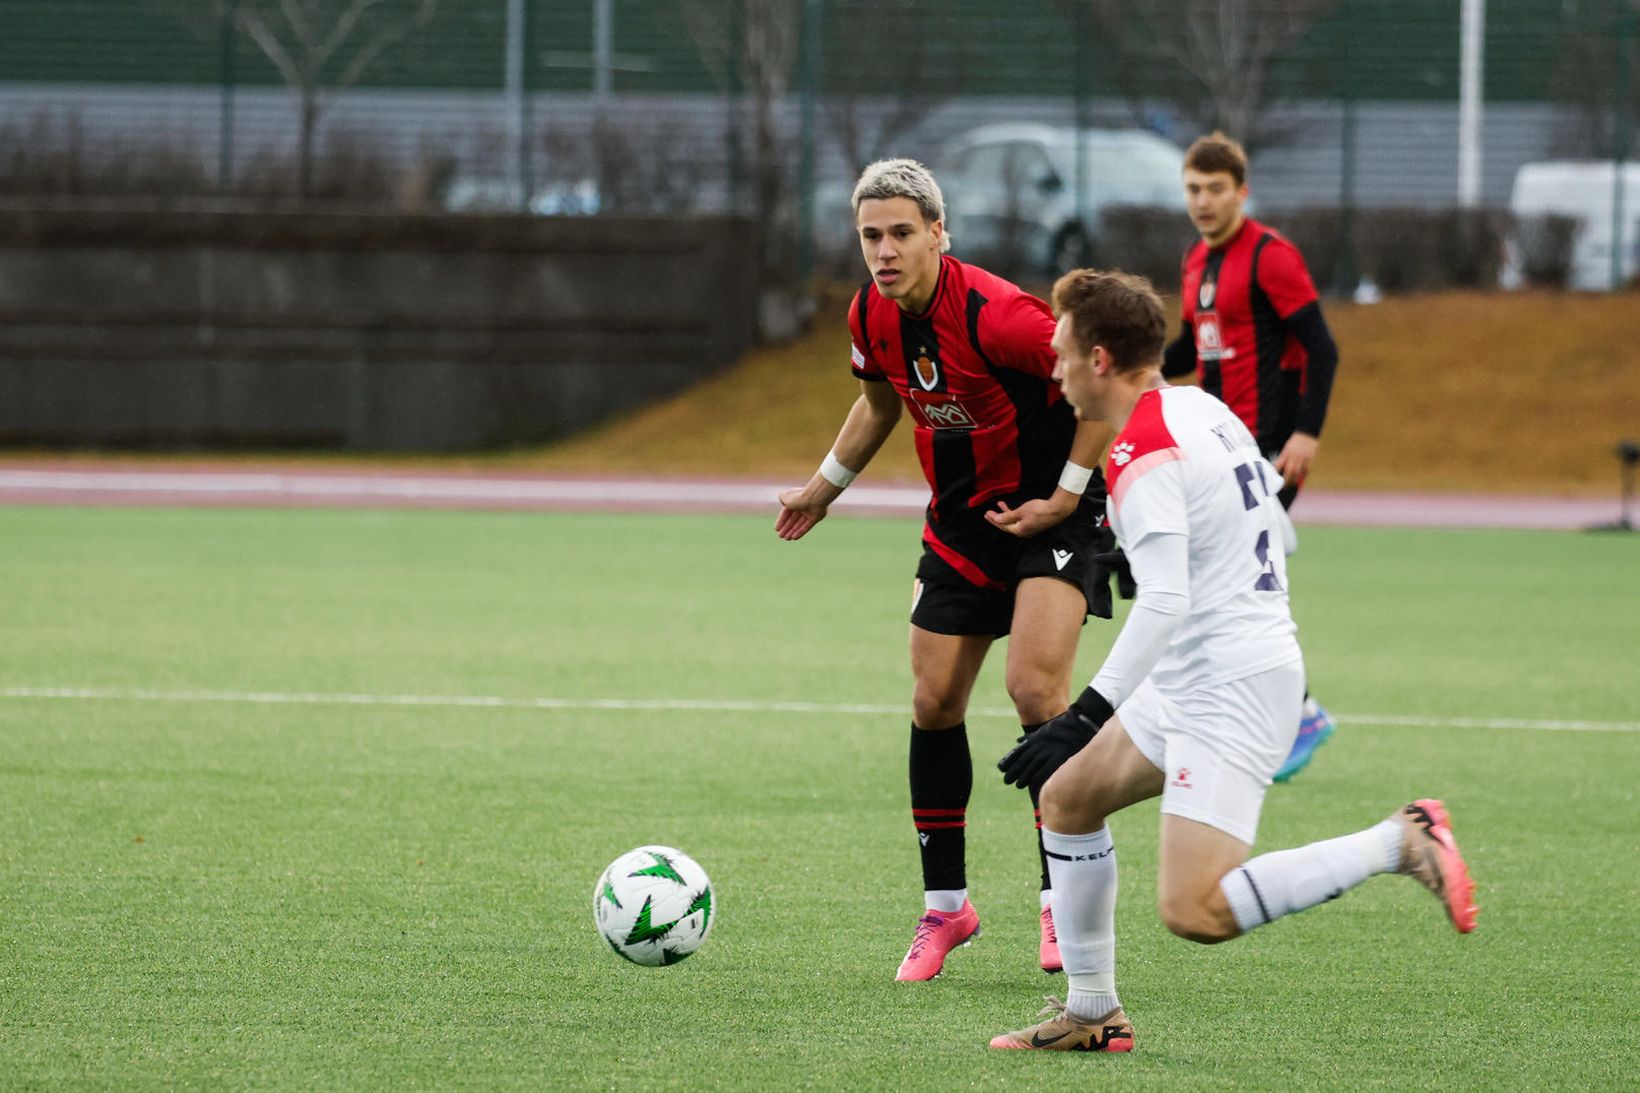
<point x="1010" y="190"/>
<point x="1583" y="191"/>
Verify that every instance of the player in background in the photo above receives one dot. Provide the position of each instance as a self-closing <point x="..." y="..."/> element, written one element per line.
<point x="1013" y="524"/>
<point x="1254" y="335"/>
<point x="1198" y="699"/>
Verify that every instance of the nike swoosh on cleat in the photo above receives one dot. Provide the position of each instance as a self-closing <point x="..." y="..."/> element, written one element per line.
<point x="1038" y="1041"/>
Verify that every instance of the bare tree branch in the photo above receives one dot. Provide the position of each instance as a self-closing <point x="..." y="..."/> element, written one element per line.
<point x="762" y="54"/>
<point x="920" y="82"/>
<point x="386" y="38"/>
<point x="1222" y="53"/>
<point x="303" y="40"/>
<point x="707" y="22"/>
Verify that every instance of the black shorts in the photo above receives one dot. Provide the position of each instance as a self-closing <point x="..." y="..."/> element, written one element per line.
<point x="948" y="603"/>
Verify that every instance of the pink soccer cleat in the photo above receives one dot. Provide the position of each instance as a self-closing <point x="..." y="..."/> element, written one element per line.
<point x="1430" y="853"/>
<point x="1048" y="951"/>
<point x="938" y="932"/>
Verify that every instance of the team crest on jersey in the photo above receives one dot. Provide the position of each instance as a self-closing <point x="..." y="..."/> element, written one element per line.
<point x="1121" y="454"/>
<point x="928" y="369"/>
<point x="1205" y="294"/>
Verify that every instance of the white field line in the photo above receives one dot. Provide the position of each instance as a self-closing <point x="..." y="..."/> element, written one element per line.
<point x="313" y="698"/>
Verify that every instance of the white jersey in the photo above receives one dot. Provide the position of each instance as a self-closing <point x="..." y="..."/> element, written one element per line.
<point x="1184" y="464"/>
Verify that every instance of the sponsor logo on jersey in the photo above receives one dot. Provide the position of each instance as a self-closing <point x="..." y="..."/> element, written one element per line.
<point x="856" y="356"/>
<point x="946" y="415"/>
<point x="1209" y="341"/>
<point x="928" y="369"/>
<point x="1122" y="454"/>
<point x="1060" y="557"/>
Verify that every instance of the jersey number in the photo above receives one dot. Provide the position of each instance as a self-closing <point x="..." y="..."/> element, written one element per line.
<point x="1246" y="475"/>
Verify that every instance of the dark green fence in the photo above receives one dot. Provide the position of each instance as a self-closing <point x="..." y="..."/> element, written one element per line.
<point x="770" y="106"/>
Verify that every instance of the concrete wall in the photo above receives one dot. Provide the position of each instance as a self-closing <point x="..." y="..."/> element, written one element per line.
<point x="146" y="327"/>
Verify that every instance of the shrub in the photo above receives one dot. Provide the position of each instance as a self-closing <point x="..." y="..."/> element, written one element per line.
<point x="1319" y="234"/>
<point x="1144" y="239"/>
<point x="1399" y="249"/>
<point x="1544" y="247"/>
<point x="1411" y="250"/>
<point x="51" y="157"/>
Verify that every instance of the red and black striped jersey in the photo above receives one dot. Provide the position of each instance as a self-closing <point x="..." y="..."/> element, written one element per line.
<point x="1235" y="300"/>
<point x="975" y="371"/>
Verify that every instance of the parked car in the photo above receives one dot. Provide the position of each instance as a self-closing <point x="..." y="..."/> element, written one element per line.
<point x="1010" y="190"/>
<point x="489" y="195"/>
<point x="1582" y="191"/>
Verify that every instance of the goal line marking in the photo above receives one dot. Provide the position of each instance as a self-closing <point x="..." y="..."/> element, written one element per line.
<point x="715" y="705"/>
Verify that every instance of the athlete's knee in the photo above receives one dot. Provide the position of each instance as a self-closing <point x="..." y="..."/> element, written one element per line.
<point x="933" y="708"/>
<point x="1037" y="695"/>
<point x="1067" y="808"/>
<point x="1197" y="917"/>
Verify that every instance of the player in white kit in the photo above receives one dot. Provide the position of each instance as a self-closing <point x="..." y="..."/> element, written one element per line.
<point x="1198" y="700"/>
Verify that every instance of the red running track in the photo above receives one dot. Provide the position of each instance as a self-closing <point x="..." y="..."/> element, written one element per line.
<point x="255" y="485"/>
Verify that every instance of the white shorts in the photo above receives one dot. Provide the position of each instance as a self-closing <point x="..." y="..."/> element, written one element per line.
<point x="1218" y="746"/>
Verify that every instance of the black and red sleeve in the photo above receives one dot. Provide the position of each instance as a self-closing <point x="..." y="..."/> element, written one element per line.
<point x="861" y="359"/>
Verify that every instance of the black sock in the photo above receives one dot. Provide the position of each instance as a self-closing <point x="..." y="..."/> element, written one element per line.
<point x="1036" y="807"/>
<point x="942" y="775"/>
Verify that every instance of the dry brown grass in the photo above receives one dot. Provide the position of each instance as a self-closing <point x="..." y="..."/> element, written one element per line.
<point x="1454" y="391"/>
<point x="1523" y="393"/>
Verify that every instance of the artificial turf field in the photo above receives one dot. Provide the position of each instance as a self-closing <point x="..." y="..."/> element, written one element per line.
<point x="216" y="870"/>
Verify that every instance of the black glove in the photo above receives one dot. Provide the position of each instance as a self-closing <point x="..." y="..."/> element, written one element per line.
<point x="1113" y="561"/>
<point x="1040" y="753"/>
<point x="1108" y="559"/>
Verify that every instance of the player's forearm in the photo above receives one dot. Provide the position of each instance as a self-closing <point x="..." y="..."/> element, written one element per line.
<point x="869" y="423"/>
<point x="1081" y="465"/>
<point x="1161" y="566"/>
<point x="1309" y="327"/>
<point x="1089" y="442"/>
<point x="1179" y="358"/>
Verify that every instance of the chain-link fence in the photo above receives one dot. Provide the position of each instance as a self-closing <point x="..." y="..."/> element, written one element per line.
<point x="1369" y="121"/>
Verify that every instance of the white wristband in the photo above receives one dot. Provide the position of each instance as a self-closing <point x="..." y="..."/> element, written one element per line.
<point x="1075" y="478"/>
<point x="833" y="471"/>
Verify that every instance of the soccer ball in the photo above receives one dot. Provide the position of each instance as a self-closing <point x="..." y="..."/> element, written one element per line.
<point x="654" y="905"/>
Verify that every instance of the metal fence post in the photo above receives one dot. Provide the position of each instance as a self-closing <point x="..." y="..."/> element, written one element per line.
<point x="517" y="94"/>
<point x="810" y="78"/>
<point x="1620" y="135"/>
<point x="224" y="140"/>
<point x="1079" y="85"/>
<point x="1345" y="274"/>
<point x="732" y="104"/>
<point x="1471" y="99"/>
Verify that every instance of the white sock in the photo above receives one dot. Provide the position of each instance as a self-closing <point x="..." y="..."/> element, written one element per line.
<point x="1272" y="885"/>
<point x="1083" y="871"/>
<point x="945" y="900"/>
<point x="1045" y="899"/>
